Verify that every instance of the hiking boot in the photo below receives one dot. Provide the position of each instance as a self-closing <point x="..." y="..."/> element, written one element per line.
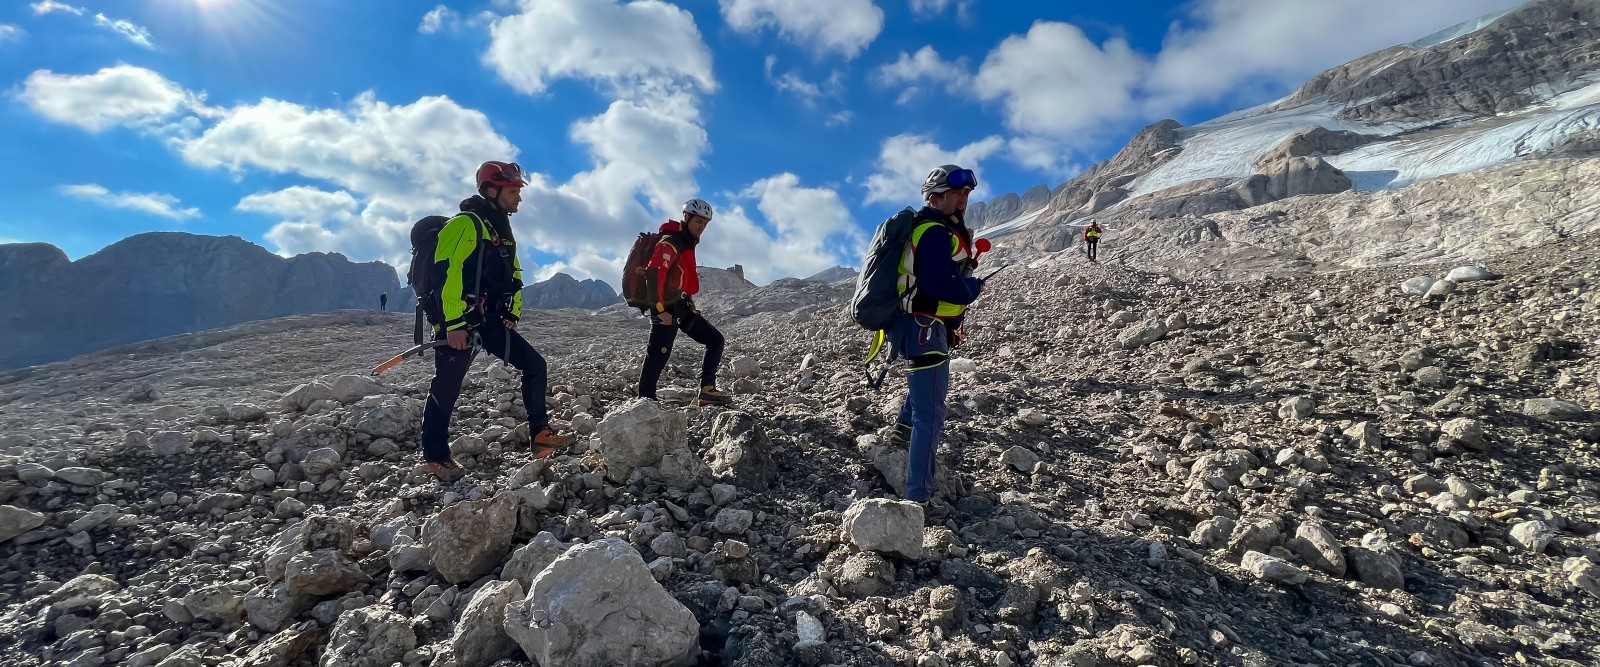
<point x="899" y="435"/>
<point x="447" y="471"/>
<point x="547" y="441"/>
<point x="709" y="394"/>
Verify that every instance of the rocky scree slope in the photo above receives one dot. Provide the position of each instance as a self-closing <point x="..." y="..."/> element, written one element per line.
<point x="1138" y="469"/>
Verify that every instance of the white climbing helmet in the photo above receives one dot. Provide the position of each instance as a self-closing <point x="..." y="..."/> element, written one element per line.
<point x="698" y="207"/>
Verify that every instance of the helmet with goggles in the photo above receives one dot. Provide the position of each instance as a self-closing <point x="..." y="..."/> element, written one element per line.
<point x="948" y="177"/>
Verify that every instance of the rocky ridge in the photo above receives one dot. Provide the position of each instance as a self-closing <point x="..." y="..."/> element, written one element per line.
<point x="1392" y="465"/>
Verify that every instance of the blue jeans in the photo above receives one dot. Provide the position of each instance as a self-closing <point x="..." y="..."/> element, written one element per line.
<point x="922" y="340"/>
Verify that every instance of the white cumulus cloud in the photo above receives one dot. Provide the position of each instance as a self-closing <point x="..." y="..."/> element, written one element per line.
<point x="1055" y="81"/>
<point x="844" y="27"/>
<point x="905" y="160"/>
<point x="643" y="44"/>
<point x="122" y="95"/>
<point x="152" y="203"/>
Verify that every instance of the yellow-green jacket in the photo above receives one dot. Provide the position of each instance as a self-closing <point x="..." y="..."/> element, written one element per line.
<point x="468" y="244"/>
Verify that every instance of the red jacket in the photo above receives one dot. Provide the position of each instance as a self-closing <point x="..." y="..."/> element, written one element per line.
<point x="1095" y="236"/>
<point x="673" y="263"/>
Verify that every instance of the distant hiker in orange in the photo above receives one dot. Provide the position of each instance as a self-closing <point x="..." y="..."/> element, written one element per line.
<point x="1091" y="239"/>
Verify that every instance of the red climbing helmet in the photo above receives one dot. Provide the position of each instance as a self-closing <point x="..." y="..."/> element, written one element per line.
<point x="500" y="174"/>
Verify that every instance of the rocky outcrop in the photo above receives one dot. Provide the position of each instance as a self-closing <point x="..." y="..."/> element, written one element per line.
<point x="1292" y="177"/>
<point x="715" y="280"/>
<point x="1313" y="142"/>
<point x="833" y="275"/>
<point x="1538" y="49"/>
<point x="564" y="291"/>
<point x="165" y="283"/>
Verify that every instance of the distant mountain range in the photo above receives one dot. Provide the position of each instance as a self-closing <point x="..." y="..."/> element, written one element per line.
<point x="163" y="283"/>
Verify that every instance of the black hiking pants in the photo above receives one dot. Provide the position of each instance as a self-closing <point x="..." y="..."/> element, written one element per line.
<point x="450" y="368"/>
<point x="661" y="339"/>
<point x="1094" y="250"/>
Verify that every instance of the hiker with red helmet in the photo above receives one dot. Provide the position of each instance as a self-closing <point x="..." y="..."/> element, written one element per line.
<point x="677" y="281"/>
<point x="480" y="296"/>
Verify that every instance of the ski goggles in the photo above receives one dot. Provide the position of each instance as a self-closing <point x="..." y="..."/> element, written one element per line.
<point x="958" y="179"/>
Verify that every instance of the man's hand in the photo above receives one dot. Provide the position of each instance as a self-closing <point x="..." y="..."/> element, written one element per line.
<point x="955" y="337"/>
<point x="510" y="324"/>
<point x="456" y="339"/>
<point x="666" y="318"/>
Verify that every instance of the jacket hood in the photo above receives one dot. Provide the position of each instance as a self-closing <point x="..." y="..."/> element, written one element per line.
<point x="671" y="226"/>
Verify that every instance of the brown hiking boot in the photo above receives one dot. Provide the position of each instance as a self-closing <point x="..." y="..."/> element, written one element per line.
<point x="447" y="471"/>
<point x="710" y="395"/>
<point x="547" y="441"/>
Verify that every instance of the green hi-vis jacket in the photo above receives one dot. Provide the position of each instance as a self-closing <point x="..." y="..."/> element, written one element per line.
<point x="464" y="242"/>
<point x="960" y="255"/>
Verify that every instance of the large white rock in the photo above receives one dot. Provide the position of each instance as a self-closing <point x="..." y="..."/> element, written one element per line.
<point x="368" y="637"/>
<point x="15" y="521"/>
<point x="643" y="434"/>
<point x="480" y="638"/>
<point x="597" y="606"/>
<point x="469" y="539"/>
<point x="888" y="526"/>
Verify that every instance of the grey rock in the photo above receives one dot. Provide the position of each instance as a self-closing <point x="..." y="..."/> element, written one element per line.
<point x="480" y="638"/>
<point x="81" y="476"/>
<point x="1553" y="408"/>
<point x="322" y="572"/>
<point x="598" y="604"/>
<point x="1272" y="569"/>
<point x="643" y="434"/>
<point x="741" y="451"/>
<point x="1466" y="431"/>
<point x="1020" y="458"/>
<point x="733" y="521"/>
<point x="169" y="443"/>
<point x="15" y="521"/>
<point x="887" y="526"/>
<point x="368" y="637"/>
<point x="467" y="540"/>
<point x="528" y="560"/>
<point x="1533" y="536"/>
<point x="1320" y="549"/>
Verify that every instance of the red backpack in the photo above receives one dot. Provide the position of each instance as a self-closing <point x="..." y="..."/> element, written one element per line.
<point x="638" y="281"/>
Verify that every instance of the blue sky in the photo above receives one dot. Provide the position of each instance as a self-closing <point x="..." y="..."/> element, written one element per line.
<point x="306" y="125"/>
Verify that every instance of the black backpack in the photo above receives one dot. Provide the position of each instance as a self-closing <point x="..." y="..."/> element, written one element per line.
<point x="877" y="299"/>
<point x="425" y="276"/>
